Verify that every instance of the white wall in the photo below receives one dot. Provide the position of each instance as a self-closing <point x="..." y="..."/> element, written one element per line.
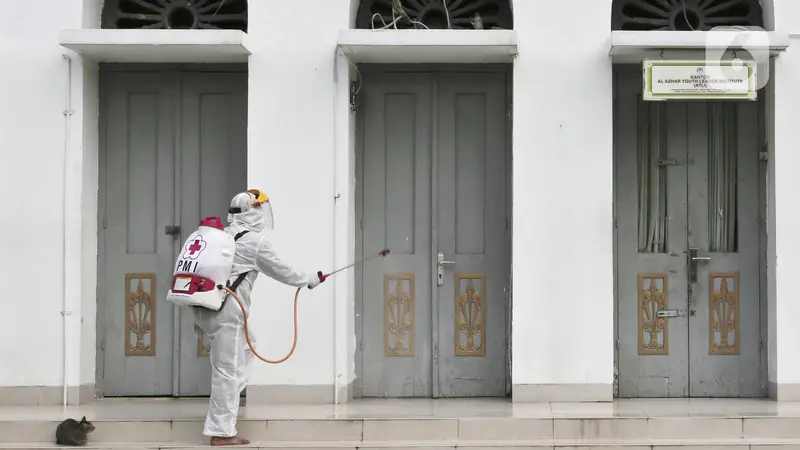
<point x="563" y="242"/>
<point x="291" y="156"/>
<point x="291" y="149"/>
<point x="563" y="249"/>
<point x="33" y="90"/>
<point x="784" y="216"/>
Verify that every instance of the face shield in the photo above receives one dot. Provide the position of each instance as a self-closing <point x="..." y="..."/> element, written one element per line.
<point x="251" y="210"/>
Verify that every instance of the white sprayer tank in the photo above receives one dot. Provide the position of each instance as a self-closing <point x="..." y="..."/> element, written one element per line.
<point x="203" y="267"/>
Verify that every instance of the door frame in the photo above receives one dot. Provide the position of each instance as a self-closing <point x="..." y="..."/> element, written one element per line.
<point x="433" y="68"/>
<point x="761" y="208"/>
<point x="104" y="69"/>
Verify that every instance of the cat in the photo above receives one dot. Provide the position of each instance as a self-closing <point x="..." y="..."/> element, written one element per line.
<point x="72" y="432"/>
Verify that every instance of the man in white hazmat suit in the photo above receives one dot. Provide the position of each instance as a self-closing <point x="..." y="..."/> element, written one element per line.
<point x="231" y="359"/>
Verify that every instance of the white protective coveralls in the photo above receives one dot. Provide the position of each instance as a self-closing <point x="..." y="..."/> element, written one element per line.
<point x="231" y="358"/>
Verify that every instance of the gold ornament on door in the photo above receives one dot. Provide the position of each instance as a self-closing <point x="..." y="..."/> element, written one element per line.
<point x="724" y="313"/>
<point x="652" y="329"/>
<point x="140" y="314"/>
<point x="398" y="294"/>
<point x="470" y="333"/>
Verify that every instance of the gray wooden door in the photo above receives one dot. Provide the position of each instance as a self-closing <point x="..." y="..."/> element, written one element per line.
<point x="726" y="357"/>
<point x="213" y="137"/>
<point x="686" y="187"/>
<point x="174" y="148"/>
<point x="139" y="143"/>
<point x="432" y="171"/>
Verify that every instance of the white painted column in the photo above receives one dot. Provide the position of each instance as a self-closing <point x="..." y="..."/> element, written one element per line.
<point x="563" y="227"/>
<point x="345" y="232"/>
<point x="291" y="149"/>
<point x="783" y="215"/>
<point x="784" y="230"/>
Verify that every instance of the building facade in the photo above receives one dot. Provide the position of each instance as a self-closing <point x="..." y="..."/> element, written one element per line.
<point x="554" y="237"/>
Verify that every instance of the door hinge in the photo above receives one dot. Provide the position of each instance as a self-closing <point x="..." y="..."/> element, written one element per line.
<point x="361" y="223"/>
<point x="616" y="222"/>
<point x="763" y="156"/>
<point x="103" y="345"/>
<point x="617" y="343"/>
<point x="104" y="223"/>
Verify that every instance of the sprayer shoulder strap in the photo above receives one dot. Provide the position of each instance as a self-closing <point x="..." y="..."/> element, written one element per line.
<point x="235" y="285"/>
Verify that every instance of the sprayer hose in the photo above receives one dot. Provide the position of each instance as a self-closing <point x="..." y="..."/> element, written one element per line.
<point x="247" y="334"/>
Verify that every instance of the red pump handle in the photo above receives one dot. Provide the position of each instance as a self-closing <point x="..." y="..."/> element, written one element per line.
<point x="212" y="222"/>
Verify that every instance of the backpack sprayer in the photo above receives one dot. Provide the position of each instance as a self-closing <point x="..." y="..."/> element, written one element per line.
<point x="203" y="270"/>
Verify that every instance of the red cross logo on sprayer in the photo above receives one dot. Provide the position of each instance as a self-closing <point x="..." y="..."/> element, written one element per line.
<point x="203" y="267"/>
<point x="194" y="247"/>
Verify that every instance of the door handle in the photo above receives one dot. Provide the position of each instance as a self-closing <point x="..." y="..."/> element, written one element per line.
<point x="440" y="263"/>
<point x="693" y="259"/>
<point x="675" y="313"/>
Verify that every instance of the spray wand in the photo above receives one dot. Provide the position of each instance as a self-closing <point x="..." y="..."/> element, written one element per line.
<point x="322" y="277"/>
<point x="381" y="254"/>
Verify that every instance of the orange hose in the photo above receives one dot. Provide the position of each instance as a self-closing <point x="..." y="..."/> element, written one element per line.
<point x="247" y="335"/>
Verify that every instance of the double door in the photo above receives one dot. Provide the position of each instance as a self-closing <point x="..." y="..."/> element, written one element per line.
<point x="689" y="238"/>
<point x="173" y="150"/>
<point x="432" y="319"/>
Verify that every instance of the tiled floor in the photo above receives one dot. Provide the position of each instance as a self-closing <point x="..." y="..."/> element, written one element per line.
<point x="193" y="409"/>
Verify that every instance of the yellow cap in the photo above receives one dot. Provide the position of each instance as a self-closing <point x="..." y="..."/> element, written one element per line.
<point x="261" y="197"/>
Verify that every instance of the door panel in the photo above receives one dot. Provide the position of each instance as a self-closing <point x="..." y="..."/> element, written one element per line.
<point x="710" y="173"/>
<point x="471" y="232"/>
<point x="653" y="351"/>
<point x="725" y="334"/>
<point x="155" y="122"/>
<point x="396" y="305"/>
<point x="140" y="194"/>
<point x="213" y="170"/>
<point x="433" y="178"/>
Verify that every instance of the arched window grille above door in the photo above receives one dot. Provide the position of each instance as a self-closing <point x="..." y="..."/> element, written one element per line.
<point x="435" y="14"/>
<point x="684" y="15"/>
<point x="176" y="14"/>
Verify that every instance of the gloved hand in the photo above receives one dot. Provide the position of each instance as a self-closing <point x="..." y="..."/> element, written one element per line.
<point x="315" y="280"/>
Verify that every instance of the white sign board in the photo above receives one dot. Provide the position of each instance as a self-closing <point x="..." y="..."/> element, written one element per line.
<point x="699" y="80"/>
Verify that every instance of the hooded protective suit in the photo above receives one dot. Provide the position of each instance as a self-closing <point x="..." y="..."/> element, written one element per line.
<point x="231" y="358"/>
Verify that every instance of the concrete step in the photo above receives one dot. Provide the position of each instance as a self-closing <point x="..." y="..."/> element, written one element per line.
<point x="674" y="444"/>
<point x="435" y="432"/>
<point x="425" y="424"/>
